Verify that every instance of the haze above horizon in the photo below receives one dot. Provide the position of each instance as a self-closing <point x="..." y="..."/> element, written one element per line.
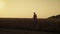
<point x="25" y="8"/>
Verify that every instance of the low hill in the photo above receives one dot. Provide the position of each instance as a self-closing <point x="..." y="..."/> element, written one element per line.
<point x="57" y="17"/>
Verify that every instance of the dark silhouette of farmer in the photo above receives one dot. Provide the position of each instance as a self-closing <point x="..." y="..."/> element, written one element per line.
<point x="35" y="19"/>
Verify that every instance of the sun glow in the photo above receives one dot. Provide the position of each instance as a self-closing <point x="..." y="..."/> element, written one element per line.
<point x="2" y="4"/>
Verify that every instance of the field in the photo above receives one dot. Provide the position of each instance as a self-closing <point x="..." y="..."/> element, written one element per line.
<point x="27" y="24"/>
<point x="19" y="31"/>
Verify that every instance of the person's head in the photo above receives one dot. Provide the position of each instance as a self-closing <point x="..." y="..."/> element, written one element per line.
<point x="34" y="13"/>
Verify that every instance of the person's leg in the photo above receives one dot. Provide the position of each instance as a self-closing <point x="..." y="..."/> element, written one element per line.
<point x="35" y="24"/>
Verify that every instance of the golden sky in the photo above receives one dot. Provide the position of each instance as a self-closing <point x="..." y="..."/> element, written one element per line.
<point x="25" y="8"/>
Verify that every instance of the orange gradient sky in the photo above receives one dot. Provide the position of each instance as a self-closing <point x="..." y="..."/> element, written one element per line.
<point x="25" y="8"/>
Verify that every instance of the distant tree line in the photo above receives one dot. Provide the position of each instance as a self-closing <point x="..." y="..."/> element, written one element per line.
<point x="57" y="16"/>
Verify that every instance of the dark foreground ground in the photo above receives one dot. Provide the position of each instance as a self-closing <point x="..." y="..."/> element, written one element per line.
<point x="27" y="26"/>
<point x="19" y="31"/>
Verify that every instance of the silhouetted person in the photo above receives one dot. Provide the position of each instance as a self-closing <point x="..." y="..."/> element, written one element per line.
<point x="35" y="19"/>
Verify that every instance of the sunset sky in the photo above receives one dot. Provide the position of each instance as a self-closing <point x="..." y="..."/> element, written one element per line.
<point x="25" y="8"/>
